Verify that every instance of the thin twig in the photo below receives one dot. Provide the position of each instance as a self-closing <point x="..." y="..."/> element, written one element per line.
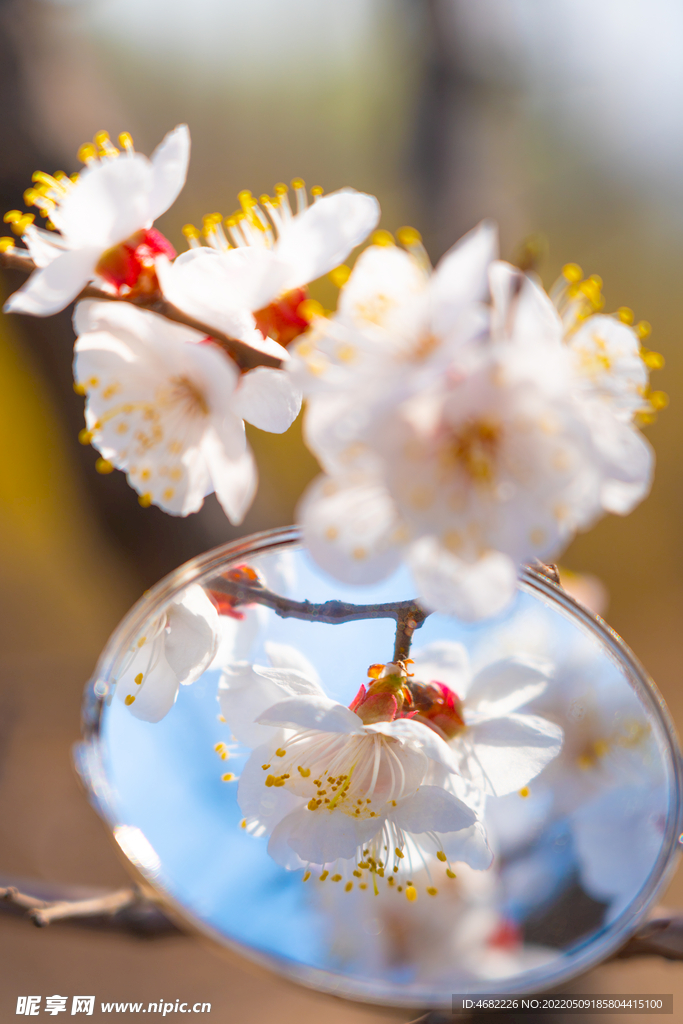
<point x="408" y="615"/>
<point x="329" y="611"/>
<point x="99" y="905"/>
<point x="244" y="355"/>
<point x="128" y="908"/>
<point x="409" y="620"/>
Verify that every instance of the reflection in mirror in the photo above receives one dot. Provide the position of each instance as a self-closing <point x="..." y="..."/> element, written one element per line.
<point x="377" y="801"/>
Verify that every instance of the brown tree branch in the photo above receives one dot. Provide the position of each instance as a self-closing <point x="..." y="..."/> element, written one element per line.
<point x="244" y="355"/>
<point x="129" y="908"/>
<point x="409" y="615"/>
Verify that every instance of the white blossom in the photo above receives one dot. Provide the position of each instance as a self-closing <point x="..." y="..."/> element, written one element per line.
<point x="253" y="287"/>
<point x="103" y="221"/>
<point x="460" y="437"/>
<point x="169" y="410"/>
<point x="359" y="800"/>
<point x="498" y="745"/>
<point x="174" y="650"/>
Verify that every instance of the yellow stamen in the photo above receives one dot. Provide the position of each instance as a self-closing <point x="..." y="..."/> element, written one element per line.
<point x="441" y="855"/>
<point x="382" y="237"/>
<point x="659" y="400"/>
<point x="572" y="272"/>
<point x="348" y="887"/>
<point x="340" y="275"/>
<point x="228" y="777"/>
<point x="432" y="891"/>
<point x="145" y="500"/>
<point x="411" y="893"/>
<point x="87" y="153"/>
<point x="85" y="436"/>
<point x="409" y="236"/>
<point x="625" y="315"/>
<point x="280" y="752"/>
<point x="524" y="791"/>
<point x="104" y="466"/>
<point x="129" y="699"/>
<point x="138" y="678"/>
<point x="306" y="876"/>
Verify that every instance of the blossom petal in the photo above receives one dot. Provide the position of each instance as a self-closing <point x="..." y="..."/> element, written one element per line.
<point x="416" y="734"/>
<point x="293" y="681"/>
<point x="320" y="238"/>
<point x="54" y="286"/>
<point x="220" y="289"/>
<point x="193" y="637"/>
<point x="169" y="170"/>
<point x="461" y="276"/>
<point x="432" y="809"/>
<point x="243" y="695"/>
<point x="108" y="203"/>
<point x="267" y="804"/>
<point x="506" y="685"/>
<point x="234" y="478"/>
<point x="445" y="661"/>
<point x="470" y="590"/>
<point x="383" y="279"/>
<point x="468" y="846"/>
<point x="321" y="836"/>
<point x="286" y="656"/>
<point x="155" y="696"/>
<point x="314" y="712"/>
<point x="506" y="753"/>
<point x="268" y="398"/>
<point x="349" y="528"/>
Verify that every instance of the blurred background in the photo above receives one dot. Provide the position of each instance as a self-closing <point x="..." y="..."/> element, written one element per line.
<point x="561" y="120"/>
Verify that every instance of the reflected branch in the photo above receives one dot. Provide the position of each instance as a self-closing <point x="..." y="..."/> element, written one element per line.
<point x="244" y="355"/>
<point x="408" y="615"/>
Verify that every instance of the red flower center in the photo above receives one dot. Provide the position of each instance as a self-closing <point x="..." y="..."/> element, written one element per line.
<point x="130" y="265"/>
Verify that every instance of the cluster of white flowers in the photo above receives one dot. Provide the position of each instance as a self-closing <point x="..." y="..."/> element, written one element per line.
<point x="464" y="420"/>
<point x="392" y="787"/>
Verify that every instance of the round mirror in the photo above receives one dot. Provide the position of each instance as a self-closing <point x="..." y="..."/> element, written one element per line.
<point x="565" y="757"/>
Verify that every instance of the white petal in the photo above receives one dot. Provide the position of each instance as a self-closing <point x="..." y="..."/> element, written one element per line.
<point x="445" y="661"/>
<point x="314" y="712"/>
<point x="244" y="694"/>
<point x="469" y="590"/>
<point x="320" y="238"/>
<point x="418" y="736"/>
<point x="222" y="288"/>
<point x="384" y="279"/>
<point x="155" y="696"/>
<point x="53" y="287"/>
<point x="469" y="846"/>
<point x="267" y="804"/>
<point x="432" y="809"/>
<point x="108" y="203"/>
<point x="521" y="309"/>
<point x="193" y="637"/>
<point x="506" y="753"/>
<point x="268" y="398"/>
<point x="320" y="837"/>
<point x="124" y="318"/>
<point x="506" y="685"/>
<point x="44" y="246"/>
<point x="169" y="167"/>
<point x="461" y="276"/>
<point x="286" y="656"/>
<point x="234" y="478"/>
<point x="350" y="529"/>
<point x="293" y="681"/>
